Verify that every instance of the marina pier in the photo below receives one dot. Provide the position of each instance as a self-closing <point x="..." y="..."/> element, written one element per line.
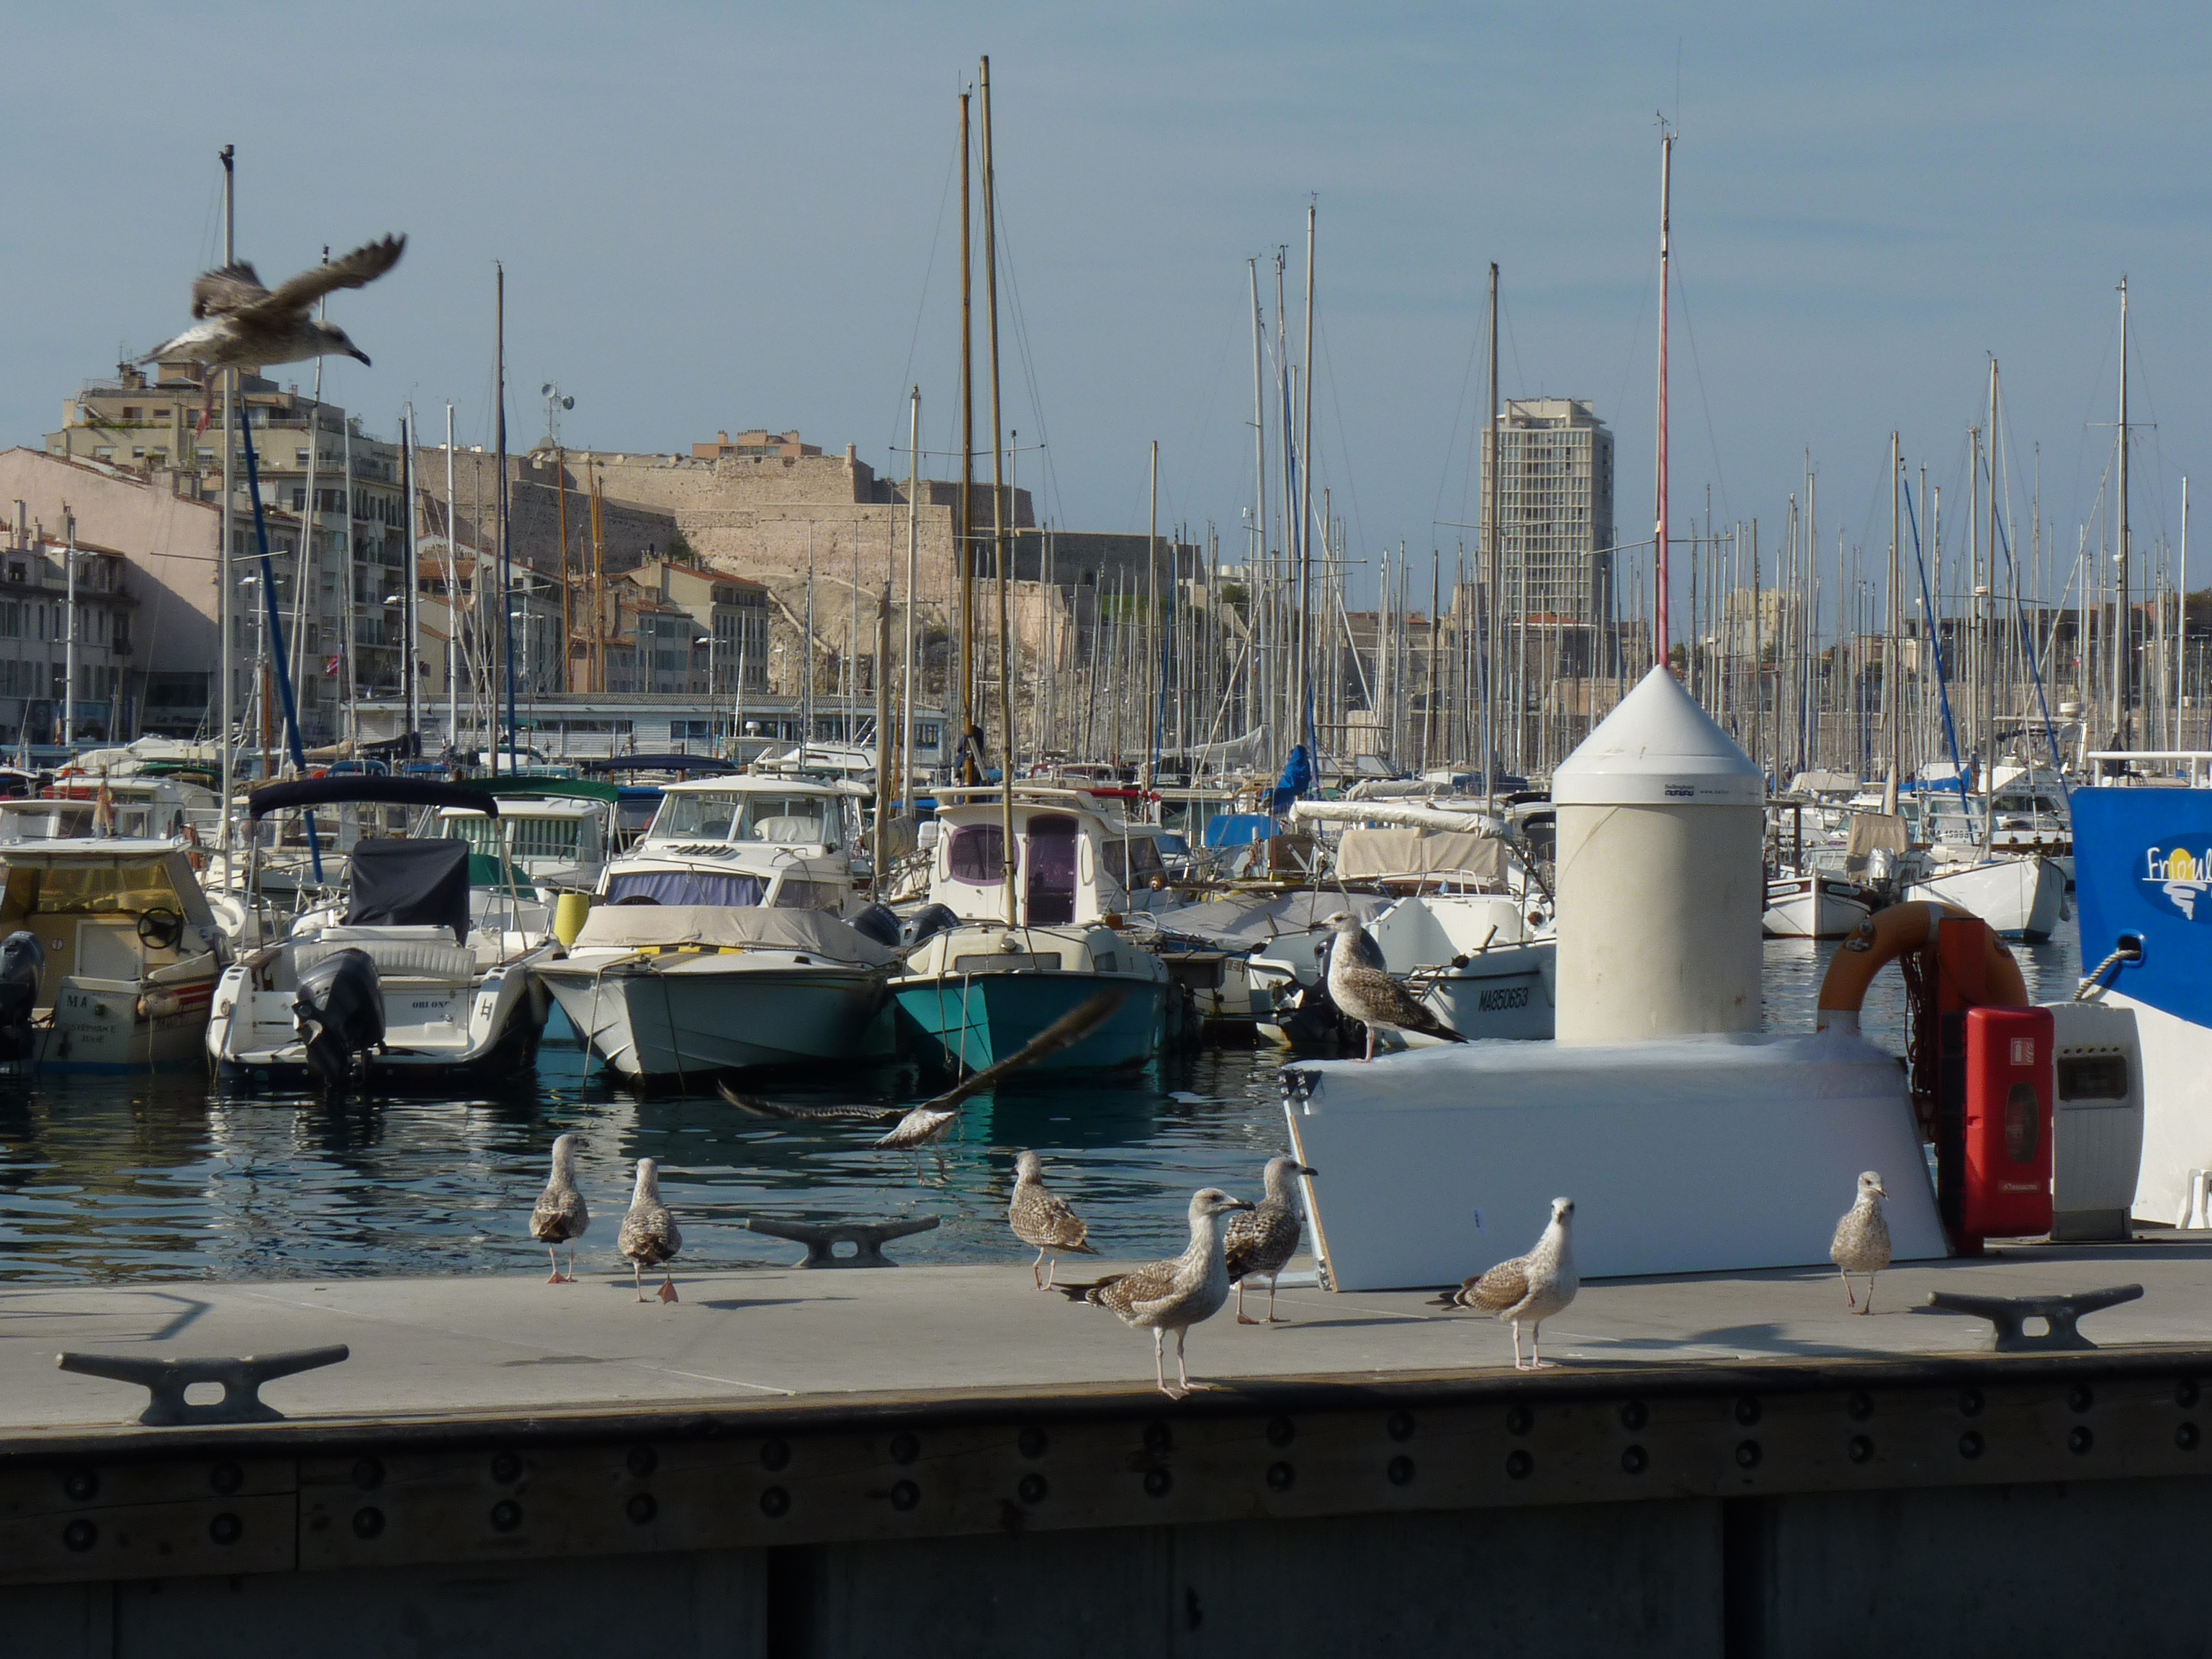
<point x="936" y="1459"/>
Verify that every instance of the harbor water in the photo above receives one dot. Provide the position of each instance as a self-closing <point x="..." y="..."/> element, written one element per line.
<point x="144" y="1179"/>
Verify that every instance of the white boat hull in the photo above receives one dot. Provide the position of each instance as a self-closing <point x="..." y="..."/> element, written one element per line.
<point x="1500" y="994"/>
<point x="1814" y="907"/>
<point x="679" y="1017"/>
<point x="2021" y="898"/>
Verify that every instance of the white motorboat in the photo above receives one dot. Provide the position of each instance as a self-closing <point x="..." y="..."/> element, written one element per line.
<point x="683" y="991"/>
<point x="754" y="839"/>
<point x="1477" y="960"/>
<point x="111" y="957"/>
<point x="1816" y="905"/>
<point x="2021" y="898"/>
<point x="994" y="968"/>
<point x="449" y="973"/>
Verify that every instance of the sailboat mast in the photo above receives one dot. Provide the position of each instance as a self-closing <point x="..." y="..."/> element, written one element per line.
<point x="1303" y="718"/>
<point x="1255" y="582"/>
<point x="2123" y="625"/>
<point x="913" y="562"/>
<point x="964" y="556"/>
<point x="1661" y="644"/>
<point x="1001" y="544"/>
<point x="506" y="556"/>
<point x="453" y="601"/>
<point x="1488" y="643"/>
<point x="223" y="558"/>
<point x="1892" y="681"/>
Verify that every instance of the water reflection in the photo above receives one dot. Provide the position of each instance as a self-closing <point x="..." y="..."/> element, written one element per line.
<point x="108" y="1180"/>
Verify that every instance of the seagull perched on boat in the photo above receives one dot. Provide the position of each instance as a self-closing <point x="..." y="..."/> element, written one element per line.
<point x="243" y="325"/>
<point x="1361" y="987"/>
<point x="561" y="1217"/>
<point x="931" y="1121"/>
<point x="1529" y="1289"/>
<point x="1260" y="1245"/>
<point x="1174" y="1295"/>
<point x="1043" y="1218"/>
<point x="1861" y="1241"/>
<point x="649" y="1235"/>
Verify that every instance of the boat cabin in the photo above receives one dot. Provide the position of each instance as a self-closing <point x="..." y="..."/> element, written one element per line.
<point x="1073" y="864"/>
<point x="108" y="912"/>
<point x="760" y="839"/>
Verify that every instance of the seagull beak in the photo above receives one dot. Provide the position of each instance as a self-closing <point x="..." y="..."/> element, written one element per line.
<point x="1242" y="1203"/>
<point x="1308" y="1169"/>
<point x="355" y="351"/>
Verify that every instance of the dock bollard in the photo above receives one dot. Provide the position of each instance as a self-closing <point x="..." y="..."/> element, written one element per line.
<point x="2009" y="1314"/>
<point x="167" y="1379"/>
<point x="821" y="1239"/>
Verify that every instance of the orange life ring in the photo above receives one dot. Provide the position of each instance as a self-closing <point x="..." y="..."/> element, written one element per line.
<point x="1888" y="935"/>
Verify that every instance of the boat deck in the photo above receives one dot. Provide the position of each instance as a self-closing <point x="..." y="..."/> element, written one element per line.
<point x="488" y="1350"/>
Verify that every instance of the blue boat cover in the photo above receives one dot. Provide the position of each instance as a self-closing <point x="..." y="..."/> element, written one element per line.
<point x="2143" y="872"/>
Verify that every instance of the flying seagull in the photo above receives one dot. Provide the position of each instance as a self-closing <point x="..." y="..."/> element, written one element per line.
<point x="1361" y="987"/>
<point x="1529" y="1289"/>
<point x="649" y="1236"/>
<point x="242" y="324"/>
<point x="1174" y="1295"/>
<point x="1862" y="1244"/>
<point x="561" y="1217"/>
<point x="930" y="1122"/>
<point x="1260" y="1245"/>
<point x="1043" y="1220"/>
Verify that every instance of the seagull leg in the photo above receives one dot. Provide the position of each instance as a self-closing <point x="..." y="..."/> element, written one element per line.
<point x="1536" y="1348"/>
<point x="1051" y="1272"/>
<point x="1160" y="1360"/>
<point x="1037" y="1277"/>
<point x="1867" y="1306"/>
<point x="1182" y="1374"/>
<point x="1272" y="1278"/>
<point x="1849" y="1300"/>
<point x="668" y="1284"/>
<point x="637" y="1278"/>
<point x="553" y="1258"/>
<point x="572" y="1261"/>
<point x="1242" y="1318"/>
<point x="1517" y="1365"/>
<point x="1370" y="1042"/>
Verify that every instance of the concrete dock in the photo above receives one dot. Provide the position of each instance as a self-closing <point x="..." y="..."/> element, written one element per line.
<point x="939" y="1460"/>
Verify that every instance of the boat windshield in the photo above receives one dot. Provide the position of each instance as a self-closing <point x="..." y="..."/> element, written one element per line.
<point x="748" y="817"/>
<point x="89" y="889"/>
<point x="534" y="837"/>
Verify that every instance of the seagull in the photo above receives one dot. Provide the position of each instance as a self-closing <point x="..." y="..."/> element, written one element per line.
<point x="1174" y="1295"/>
<point x="1261" y="1245"/>
<point x="561" y="1217"/>
<point x="1361" y="987"/>
<point x="242" y="324"/>
<point x="649" y="1236"/>
<point x="1040" y="1218"/>
<point x="931" y="1121"/>
<point x="1529" y="1289"/>
<point x="1862" y="1243"/>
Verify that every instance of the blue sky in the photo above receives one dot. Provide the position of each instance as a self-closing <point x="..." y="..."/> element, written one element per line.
<point x="717" y="217"/>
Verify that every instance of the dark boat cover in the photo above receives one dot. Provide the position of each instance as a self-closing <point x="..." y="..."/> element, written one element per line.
<point x="411" y="884"/>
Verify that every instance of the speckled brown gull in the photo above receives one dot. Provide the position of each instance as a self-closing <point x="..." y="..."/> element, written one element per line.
<point x="243" y="325"/>
<point x="649" y="1235"/>
<point x="1260" y="1245"/>
<point x="1361" y="987"/>
<point x="1529" y="1289"/>
<point x="1861" y="1241"/>
<point x="1174" y="1295"/>
<point x="1043" y="1218"/>
<point x="561" y="1217"/>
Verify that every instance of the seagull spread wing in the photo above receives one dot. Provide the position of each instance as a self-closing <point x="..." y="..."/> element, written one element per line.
<point x="356" y="269"/>
<point x="222" y="293"/>
<point x="790" y="1114"/>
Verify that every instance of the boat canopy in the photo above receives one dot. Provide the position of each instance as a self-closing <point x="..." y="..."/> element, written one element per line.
<point x="304" y="793"/>
<point x="405" y="883"/>
<point x="632" y="928"/>
<point x="1241" y="924"/>
<point x="701" y="764"/>
<point x="546" y="789"/>
<point x="1449" y="854"/>
<point x="96" y="878"/>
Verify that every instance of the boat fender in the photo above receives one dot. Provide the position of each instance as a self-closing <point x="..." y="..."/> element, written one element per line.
<point x="22" y="959"/>
<point x="339" y="1013"/>
<point x="1888" y="935"/>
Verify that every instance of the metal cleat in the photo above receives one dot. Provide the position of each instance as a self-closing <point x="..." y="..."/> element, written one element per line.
<point x="167" y="1379"/>
<point x="2010" y="1314"/>
<point x="868" y="1238"/>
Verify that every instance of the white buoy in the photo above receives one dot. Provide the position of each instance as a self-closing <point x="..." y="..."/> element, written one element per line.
<point x="1661" y="883"/>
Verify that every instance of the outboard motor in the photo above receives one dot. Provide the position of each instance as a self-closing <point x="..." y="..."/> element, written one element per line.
<point x="879" y="922"/>
<point x="930" y="918"/>
<point x="23" y="958"/>
<point x="339" y="1013"/>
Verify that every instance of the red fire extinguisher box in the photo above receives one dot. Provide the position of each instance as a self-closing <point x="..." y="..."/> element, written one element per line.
<point x="2011" y="1084"/>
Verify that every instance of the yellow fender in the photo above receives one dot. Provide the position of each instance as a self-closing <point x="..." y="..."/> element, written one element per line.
<point x="1888" y="935"/>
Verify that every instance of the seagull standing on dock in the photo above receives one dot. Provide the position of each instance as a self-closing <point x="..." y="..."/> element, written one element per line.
<point x="1529" y="1289"/>
<point x="1861" y="1241"/>
<point x="1260" y="1245"/>
<point x="933" y="1119"/>
<point x="649" y="1235"/>
<point x="1174" y="1295"/>
<point x="561" y="1217"/>
<point x="1361" y="987"/>
<point x="1043" y="1220"/>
